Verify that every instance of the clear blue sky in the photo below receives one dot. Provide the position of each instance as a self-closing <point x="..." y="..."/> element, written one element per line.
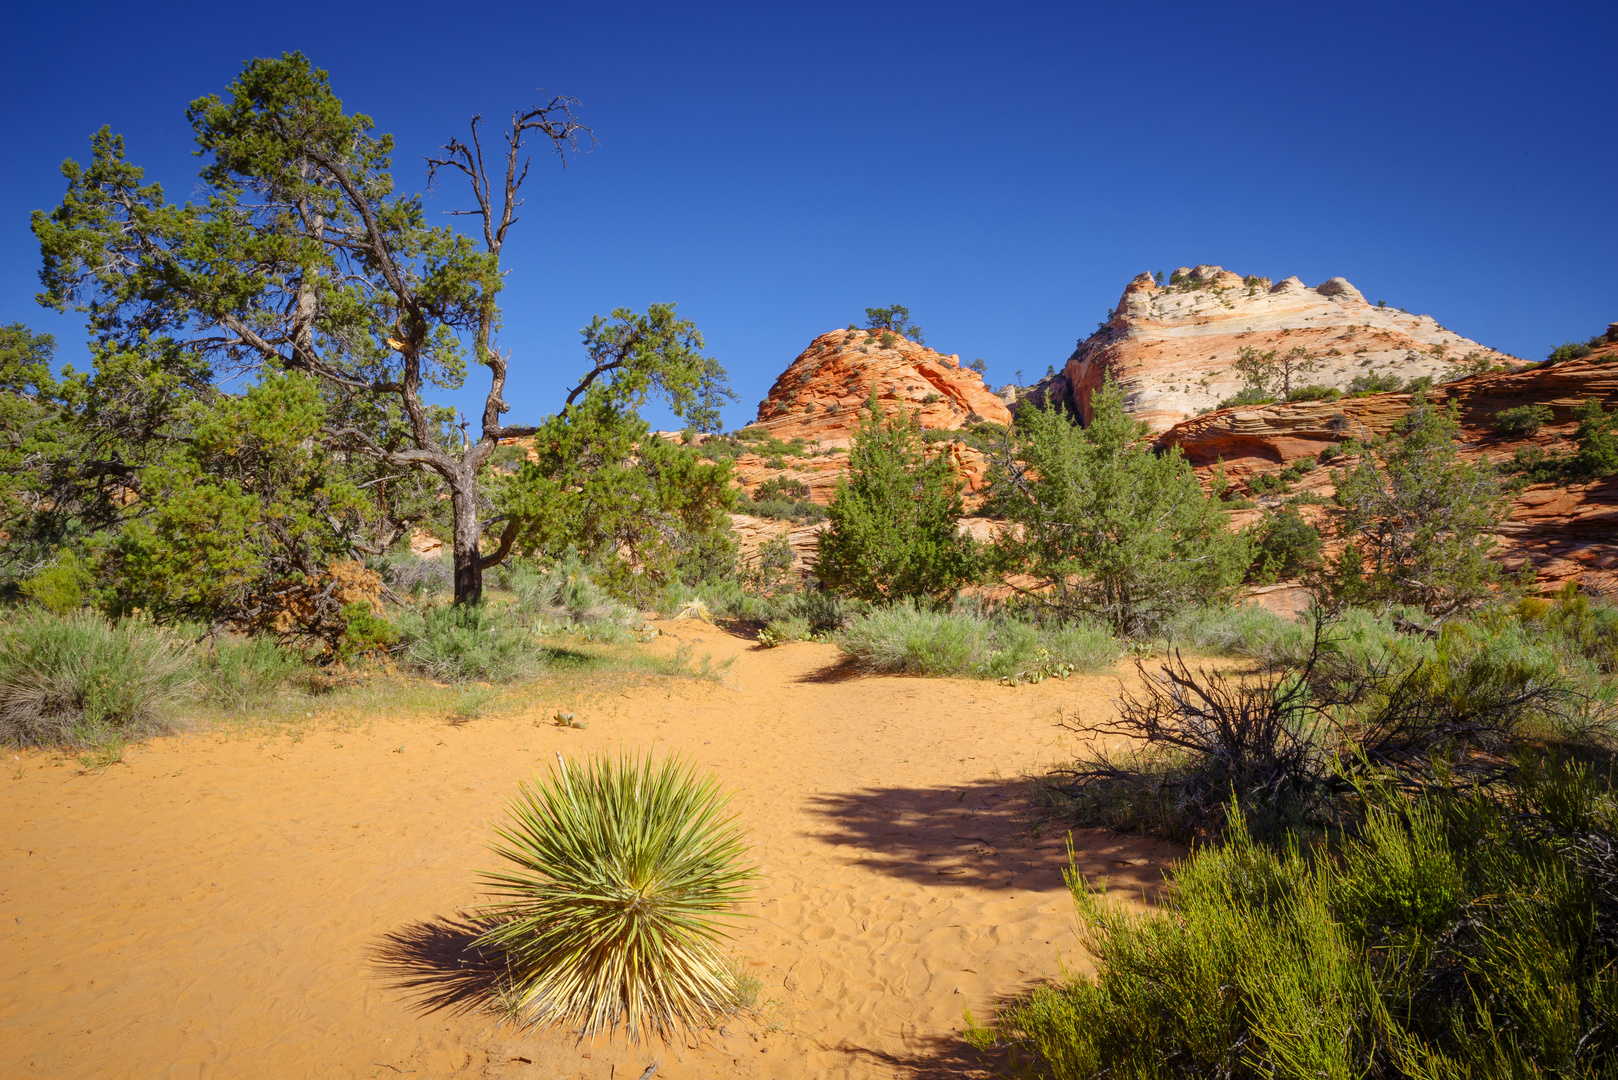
<point x="1002" y="169"/>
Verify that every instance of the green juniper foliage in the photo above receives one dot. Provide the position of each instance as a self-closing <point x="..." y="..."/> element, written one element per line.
<point x="1109" y="528"/>
<point x="1419" y="518"/>
<point x="302" y="256"/>
<point x="600" y="484"/>
<point x="893" y="531"/>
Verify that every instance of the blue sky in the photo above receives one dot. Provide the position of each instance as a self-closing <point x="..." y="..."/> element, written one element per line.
<point x="1001" y="169"/>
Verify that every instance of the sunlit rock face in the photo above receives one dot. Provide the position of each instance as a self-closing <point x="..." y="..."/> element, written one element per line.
<point x="1171" y="347"/>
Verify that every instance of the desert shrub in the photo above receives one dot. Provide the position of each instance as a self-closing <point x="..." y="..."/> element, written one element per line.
<point x="1522" y="419"/>
<point x="1109" y="529"/>
<point x="1283" y="745"/>
<point x="623" y="872"/>
<point x="1268" y="484"/>
<point x="80" y="680"/>
<point x="1573" y="350"/>
<point x="1419" y="517"/>
<point x="907" y="639"/>
<point x="781" y="487"/>
<point x="1284" y="546"/>
<point x="1315" y="393"/>
<point x="1235" y="630"/>
<point x="568" y="592"/>
<point x="1373" y="383"/>
<point x="823" y="611"/>
<point x="465" y="643"/>
<point x="1247" y="396"/>
<point x="1448" y="936"/>
<point x="244" y="674"/>
<point x="799" y="511"/>
<point x="893" y="531"/>
<point x="724" y="599"/>
<point x="784" y="630"/>
<point x="1597" y="436"/>
<point x="61" y="586"/>
<point x="411" y="575"/>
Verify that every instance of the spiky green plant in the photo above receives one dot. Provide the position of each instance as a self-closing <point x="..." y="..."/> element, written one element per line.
<point x="625" y="872"/>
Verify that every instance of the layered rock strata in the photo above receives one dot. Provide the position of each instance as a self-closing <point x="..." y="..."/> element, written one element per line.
<point x="1566" y="531"/>
<point x="1172" y="347"/>
<point x="818" y="396"/>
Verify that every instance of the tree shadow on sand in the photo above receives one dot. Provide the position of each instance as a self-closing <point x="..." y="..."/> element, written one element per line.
<point x="438" y="965"/>
<point x="980" y="834"/>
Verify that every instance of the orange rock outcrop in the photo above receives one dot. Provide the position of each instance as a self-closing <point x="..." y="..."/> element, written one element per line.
<point x="1567" y="531"/>
<point x="818" y="396"/>
<point x="1171" y="347"/>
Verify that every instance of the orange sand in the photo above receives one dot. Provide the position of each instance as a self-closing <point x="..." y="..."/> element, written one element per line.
<point x="251" y="907"/>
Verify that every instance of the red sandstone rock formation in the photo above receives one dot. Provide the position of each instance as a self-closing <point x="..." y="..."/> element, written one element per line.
<point x="1569" y="532"/>
<point x="818" y="397"/>
<point x="1171" y="347"/>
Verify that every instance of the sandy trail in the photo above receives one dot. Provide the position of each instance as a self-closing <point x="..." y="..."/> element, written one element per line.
<point x="252" y="907"/>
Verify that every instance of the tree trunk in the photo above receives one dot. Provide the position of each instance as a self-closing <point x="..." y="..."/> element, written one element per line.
<point x="468" y="571"/>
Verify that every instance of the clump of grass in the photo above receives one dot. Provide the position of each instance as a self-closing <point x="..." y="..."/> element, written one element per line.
<point x="624" y="871"/>
<point x="241" y="675"/>
<point x="568" y="593"/>
<point x="80" y="680"/>
<point x="474" y="702"/>
<point x="906" y="639"/>
<point x="466" y="643"/>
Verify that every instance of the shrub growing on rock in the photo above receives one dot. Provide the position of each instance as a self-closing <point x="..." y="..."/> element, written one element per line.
<point x="622" y="872"/>
<point x="1522" y="419"/>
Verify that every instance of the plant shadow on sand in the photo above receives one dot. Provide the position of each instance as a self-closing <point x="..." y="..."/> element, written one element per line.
<point x="437" y="964"/>
<point x="938" y="1057"/>
<point x="982" y="835"/>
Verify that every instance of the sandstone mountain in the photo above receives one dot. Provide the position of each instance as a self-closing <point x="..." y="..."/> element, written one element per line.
<point x="1171" y="347"/>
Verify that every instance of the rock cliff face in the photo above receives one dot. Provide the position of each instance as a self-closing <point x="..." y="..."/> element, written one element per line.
<point x="1567" y="531"/>
<point x="818" y="397"/>
<point x="1171" y="347"/>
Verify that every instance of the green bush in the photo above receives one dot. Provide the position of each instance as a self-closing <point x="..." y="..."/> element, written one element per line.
<point x="1450" y="936"/>
<point x="1522" y="419"/>
<point x="1372" y="383"/>
<point x="907" y="639"/>
<point x="61" y="587"/>
<point x="465" y="643"/>
<point x="568" y="592"/>
<point x="1420" y="517"/>
<point x="612" y="915"/>
<point x="1110" y="528"/>
<point x="1315" y="393"/>
<point x="80" y="680"/>
<point x="1247" y="396"/>
<point x="1573" y="350"/>
<point x="245" y="674"/>
<point x="894" y="531"/>
<point x="1284" y="546"/>
<point x="1597" y="437"/>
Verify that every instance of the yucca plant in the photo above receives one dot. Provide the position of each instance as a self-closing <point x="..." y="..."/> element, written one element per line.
<point x="625" y="872"/>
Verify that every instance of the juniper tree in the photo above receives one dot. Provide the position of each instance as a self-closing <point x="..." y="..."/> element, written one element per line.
<point x="1106" y="526"/>
<point x="1420" y="519"/>
<point x="301" y="256"/>
<point x="894" y="530"/>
